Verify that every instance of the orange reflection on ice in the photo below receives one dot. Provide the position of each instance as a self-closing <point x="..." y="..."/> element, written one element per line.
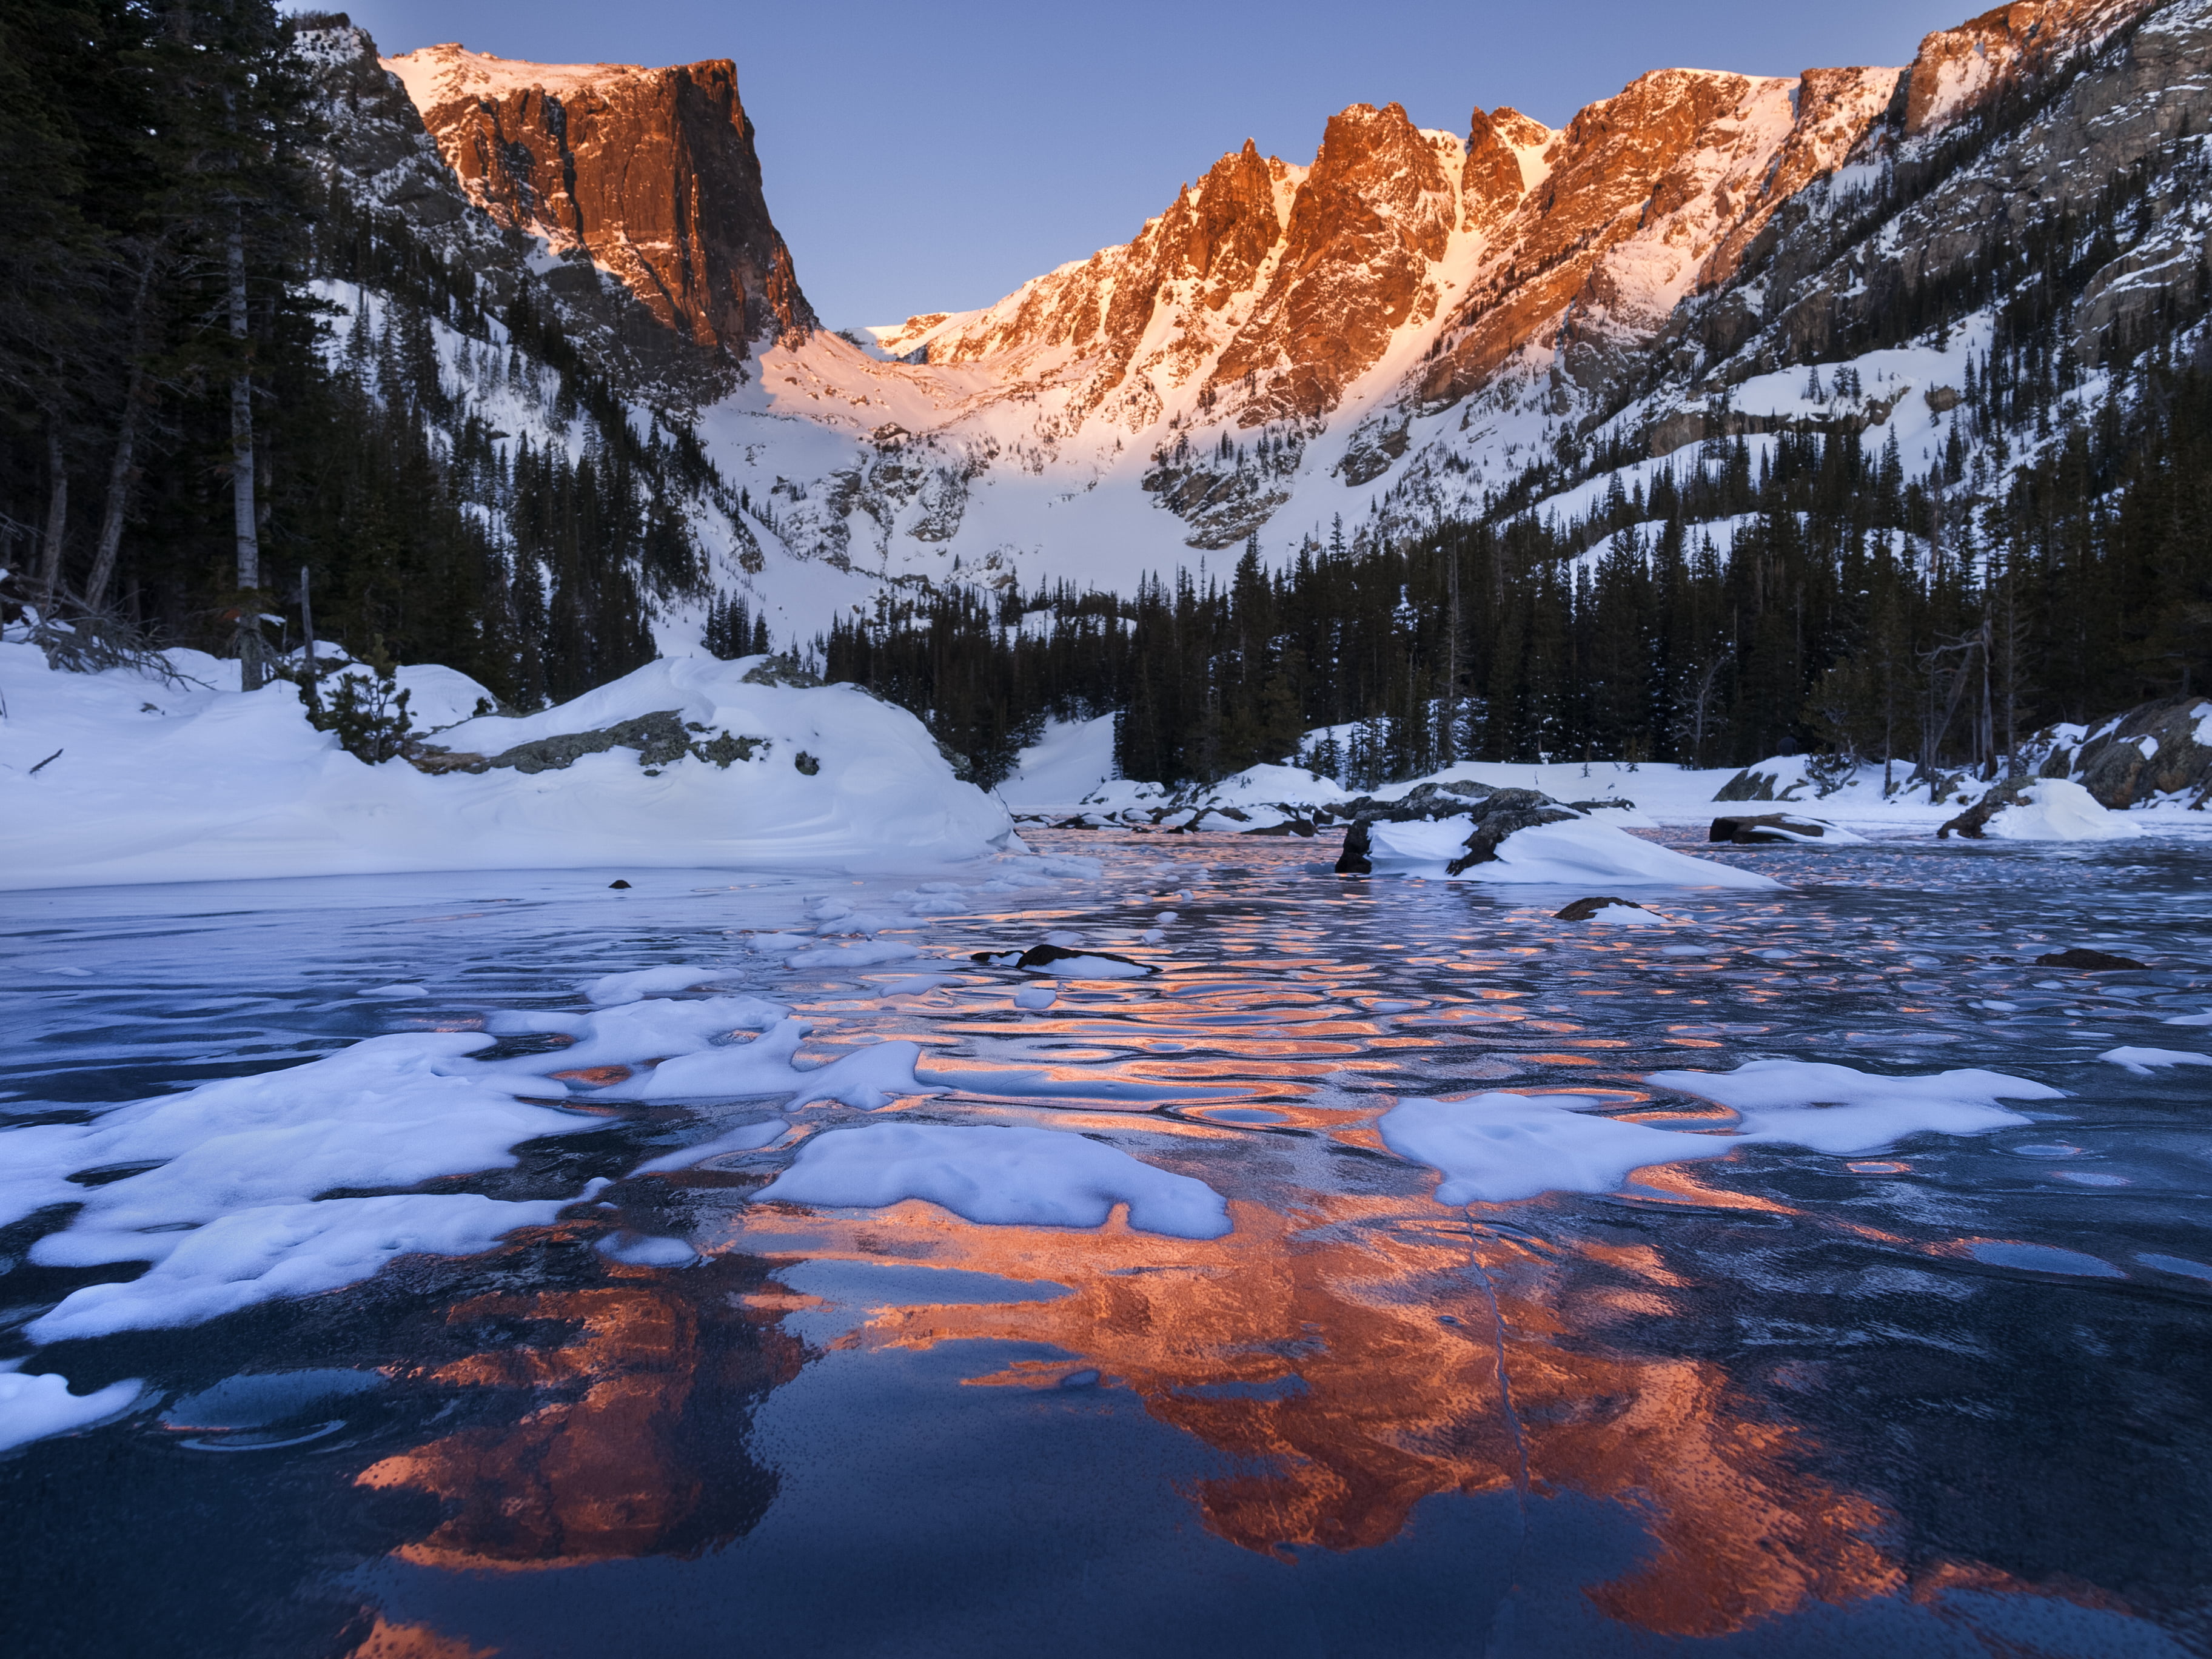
<point x="601" y="1471"/>
<point x="1315" y="1346"/>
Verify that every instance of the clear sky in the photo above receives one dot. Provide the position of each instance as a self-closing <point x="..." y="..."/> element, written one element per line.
<point x="934" y="157"/>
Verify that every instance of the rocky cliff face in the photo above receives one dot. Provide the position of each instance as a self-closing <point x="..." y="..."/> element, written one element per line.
<point x="651" y="172"/>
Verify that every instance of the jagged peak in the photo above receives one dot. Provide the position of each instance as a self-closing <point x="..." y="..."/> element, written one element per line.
<point x="438" y="74"/>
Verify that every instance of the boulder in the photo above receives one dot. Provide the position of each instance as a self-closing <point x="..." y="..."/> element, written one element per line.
<point x="1773" y="829"/>
<point x="1497" y="813"/>
<point x="1593" y="910"/>
<point x="2161" y="748"/>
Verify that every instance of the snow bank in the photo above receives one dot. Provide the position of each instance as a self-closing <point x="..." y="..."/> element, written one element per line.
<point x="33" y="1408"/>
<point x="1494" y="1148"/>
<point x="2056" y="810"/>
<point x="1072" y="758"/>
<point x="158" y="782"/>
<point x="998" y="1176"/>
<point x="1581" y="853"/>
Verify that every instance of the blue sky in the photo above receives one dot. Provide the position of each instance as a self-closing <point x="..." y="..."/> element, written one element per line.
<point x="922" y="158"/>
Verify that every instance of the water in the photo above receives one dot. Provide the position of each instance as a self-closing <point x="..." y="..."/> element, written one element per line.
<point x="1947" y="1398"/>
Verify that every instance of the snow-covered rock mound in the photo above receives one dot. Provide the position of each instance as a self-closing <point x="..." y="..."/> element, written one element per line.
<point x="2051" y="809"/>
<point x="1579" y="853"/>
<point x="116" y="777"/>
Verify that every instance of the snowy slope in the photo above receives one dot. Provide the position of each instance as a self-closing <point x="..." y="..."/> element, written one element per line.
<point x="117" y="778"/>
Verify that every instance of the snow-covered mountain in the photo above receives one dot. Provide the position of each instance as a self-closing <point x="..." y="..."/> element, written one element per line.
<point x="1416" y="324"/>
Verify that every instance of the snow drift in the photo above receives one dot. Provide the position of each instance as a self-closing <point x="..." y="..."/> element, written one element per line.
<point x="118" y="777"/>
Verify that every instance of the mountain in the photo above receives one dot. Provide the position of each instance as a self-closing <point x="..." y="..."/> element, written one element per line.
<point x="1384" y="335"/>
<point x="651" y="172"/>
<point x="1877" y="304"/>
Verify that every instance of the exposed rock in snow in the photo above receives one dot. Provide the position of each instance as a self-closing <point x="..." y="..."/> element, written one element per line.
<point x="1461" y="828"/>
<point x="2050" y="810"/>
<point x="1612" y="913"/>
<point x="684" y="762"/>
<point x="1780" y="829"/>
<point x="2159" y="750"/>
<point x="1066" y="962"/>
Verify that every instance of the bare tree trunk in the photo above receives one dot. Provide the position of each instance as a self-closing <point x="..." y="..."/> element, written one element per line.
<point x="244" y="524"/>
<point x="119" y="471"/>
<point x="119" y="492"/>
<point x="50" y="553"/>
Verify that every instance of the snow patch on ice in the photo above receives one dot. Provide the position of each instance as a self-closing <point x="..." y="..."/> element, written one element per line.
<point x="35" y="1407"/>
<point x="1011" y="1177"/>
<point x="1499" y="1146"/>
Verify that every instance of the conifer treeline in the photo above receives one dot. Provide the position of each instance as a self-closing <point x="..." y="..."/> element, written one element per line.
<point x="136" y="136"/>
<point x="1857" y="611"/>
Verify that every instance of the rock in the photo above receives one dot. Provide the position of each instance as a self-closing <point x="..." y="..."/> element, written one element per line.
<point x="1769" y="829"/>
<point x="658" y="737"/>
<point x="650" y="171"/>
<point x="1042" y="958"/>
<point x="2157" y="748"/>
<point x="1497" y="813"/>
<point x="1583" y="909"/>
<point x="1970" y="823"/>
<point x="617" y="883"/>
<point x="1748" y="785"/>
<point x="780" y="670"/>
<point x="2093" y="961"/>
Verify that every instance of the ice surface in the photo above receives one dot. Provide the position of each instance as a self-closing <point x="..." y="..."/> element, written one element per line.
<point x="217" y="784"/>
<point x="2057" y="810"/>
<point x="2143" y="1061"/>
<point x="284" y="1250"/>
<point x="1579" y="853"/>
<point x="2041" y="1258"/>
<point x="748" y="1138"/>
<point x="36" y="1406"/>
<point x="646" y="1250"/>
<point x="998" y="1176"/>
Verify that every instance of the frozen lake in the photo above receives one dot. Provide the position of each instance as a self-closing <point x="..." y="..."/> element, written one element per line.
<point x="1945" y="1397"/>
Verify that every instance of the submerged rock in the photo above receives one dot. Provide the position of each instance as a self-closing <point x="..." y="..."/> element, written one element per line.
<point x="2101" y="961"/>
